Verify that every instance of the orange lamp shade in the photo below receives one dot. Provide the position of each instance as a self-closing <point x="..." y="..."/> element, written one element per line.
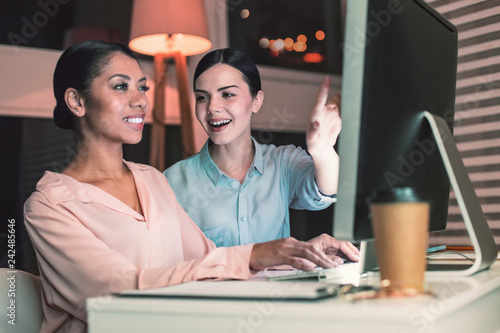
<point x="167" y="26"/>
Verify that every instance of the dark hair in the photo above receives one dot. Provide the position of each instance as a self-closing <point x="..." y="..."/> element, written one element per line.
<point x="236" y="59"/>
<point x="77" y="67"/>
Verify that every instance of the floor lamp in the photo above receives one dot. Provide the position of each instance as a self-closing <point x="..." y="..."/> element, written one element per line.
<point x="169" y="29"/>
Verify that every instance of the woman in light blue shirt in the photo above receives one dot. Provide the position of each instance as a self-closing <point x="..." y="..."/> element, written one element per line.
<point x="237" y="190"/>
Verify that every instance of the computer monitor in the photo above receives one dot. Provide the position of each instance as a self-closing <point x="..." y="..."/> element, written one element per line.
<point x="398" y="97"/>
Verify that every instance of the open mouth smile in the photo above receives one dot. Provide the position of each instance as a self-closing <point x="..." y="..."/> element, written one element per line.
<point x="220" y="123"/>
<point x="136" y="120"/>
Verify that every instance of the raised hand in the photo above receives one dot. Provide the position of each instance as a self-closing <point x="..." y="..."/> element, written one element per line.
<point x="322" y="133"/>
<point x="324" y="121"/>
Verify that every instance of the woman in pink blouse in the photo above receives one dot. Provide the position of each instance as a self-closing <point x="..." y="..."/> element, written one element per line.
<point x="105" y="225"/>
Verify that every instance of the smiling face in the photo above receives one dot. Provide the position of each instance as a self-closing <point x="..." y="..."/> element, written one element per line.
<point x="224" y="105"/>
<point x="118" y="104"/>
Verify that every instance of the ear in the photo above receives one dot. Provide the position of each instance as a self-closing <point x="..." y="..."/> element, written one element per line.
<point x="74" y="101"/>
<point x="257" y="101"/>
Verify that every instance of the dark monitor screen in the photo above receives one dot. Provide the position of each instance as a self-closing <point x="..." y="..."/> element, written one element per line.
<point x="400" y="59"/>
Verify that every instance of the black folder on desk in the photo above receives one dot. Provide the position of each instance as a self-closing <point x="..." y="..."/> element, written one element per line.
<point x="235" y="289"/>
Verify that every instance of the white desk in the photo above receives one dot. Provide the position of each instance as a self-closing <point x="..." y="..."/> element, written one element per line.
<point x="467" y="304"/>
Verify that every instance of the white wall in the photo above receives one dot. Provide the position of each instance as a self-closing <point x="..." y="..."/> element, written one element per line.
<point x="26" y="79"/>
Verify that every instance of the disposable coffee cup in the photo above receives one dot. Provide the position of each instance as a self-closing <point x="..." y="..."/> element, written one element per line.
<point x="400" y="221"/>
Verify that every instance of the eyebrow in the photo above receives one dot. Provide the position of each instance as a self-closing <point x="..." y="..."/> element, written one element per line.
<point x="126" y="77"/>
<point x="220" y="89"/>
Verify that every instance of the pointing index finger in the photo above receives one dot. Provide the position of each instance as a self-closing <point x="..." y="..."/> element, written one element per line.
<point x="322" y="97"/>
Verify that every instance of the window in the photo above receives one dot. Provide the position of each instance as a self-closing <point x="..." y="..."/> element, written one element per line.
<point x="296" y="34"/>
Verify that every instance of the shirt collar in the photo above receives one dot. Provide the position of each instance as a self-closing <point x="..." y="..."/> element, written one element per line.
<point x="257" y="159"/>
<point x="213" y="171"/>
<point x="58" y="187"/>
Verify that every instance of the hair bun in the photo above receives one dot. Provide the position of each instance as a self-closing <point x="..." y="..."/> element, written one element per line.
<point x="63" y="118"/>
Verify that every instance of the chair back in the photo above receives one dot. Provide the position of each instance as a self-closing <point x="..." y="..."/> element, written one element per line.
<point x="20" y="301"/>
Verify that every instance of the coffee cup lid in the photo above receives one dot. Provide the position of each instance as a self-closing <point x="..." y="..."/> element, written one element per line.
<point x="398" y="194"/>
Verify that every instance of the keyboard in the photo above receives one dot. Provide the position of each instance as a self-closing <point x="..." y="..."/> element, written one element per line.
<point x="345" y="272"/>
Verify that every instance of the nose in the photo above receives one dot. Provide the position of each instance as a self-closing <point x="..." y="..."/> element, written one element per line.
<point x="140" y="100"/>
<point x="213" y="106"/>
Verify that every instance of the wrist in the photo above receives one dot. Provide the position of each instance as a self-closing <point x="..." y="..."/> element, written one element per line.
<point x="254" y="263"/>
<point x="326" y="154"/>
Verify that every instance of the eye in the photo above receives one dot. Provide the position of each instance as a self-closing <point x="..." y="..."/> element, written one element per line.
<point x="121" y="86"/>
<point x="144" y="88"/>
<point x="201" y="98"/>
<point x="226" y="94"/>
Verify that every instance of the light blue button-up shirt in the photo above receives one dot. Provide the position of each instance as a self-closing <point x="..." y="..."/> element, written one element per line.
<point x="230" y="213"/>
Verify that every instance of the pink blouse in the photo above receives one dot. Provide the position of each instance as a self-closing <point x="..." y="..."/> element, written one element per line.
<point x="88" y="243"/>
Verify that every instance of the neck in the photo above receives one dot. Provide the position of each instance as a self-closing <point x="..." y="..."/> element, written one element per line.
<point x="233" y="160"/>
<point x="96" y="162"/>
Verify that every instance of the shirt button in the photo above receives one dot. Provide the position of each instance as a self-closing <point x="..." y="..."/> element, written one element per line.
<point x="243" y="219"/>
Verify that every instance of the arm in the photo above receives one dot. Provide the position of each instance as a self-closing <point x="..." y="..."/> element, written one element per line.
<point x="75" y="264"/>
<point x="321" y="136"/>
<point x="302" y="255"/>
<point x="299" y="173"/>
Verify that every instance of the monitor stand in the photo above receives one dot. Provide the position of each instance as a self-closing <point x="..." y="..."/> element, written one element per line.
<point x="477" y="227"/>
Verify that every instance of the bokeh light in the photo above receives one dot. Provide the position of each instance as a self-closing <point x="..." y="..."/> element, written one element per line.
<point x="312" y="57"/>
<point x="279" y="44"/>
<point x="300" y="46"/>
<point x="302" y="38"/>
<point x="245" y="13"/>
<point x="274" y="54"/>
<point x="320" y="35"/>
<point x="264" y="42"/>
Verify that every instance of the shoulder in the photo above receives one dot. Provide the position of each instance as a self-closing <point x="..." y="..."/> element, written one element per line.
<point x="52" y="190"/>
<point x="282" y="152"/>
<point x="57" y="187"/>
<point x="146" y="171"/>
<point x="141" y="168"/>
<point x="186" y="166"/>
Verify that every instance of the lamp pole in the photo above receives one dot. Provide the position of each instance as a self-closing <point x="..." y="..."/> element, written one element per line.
<point x="157" y="137"/>
<point x="186" y="116"/>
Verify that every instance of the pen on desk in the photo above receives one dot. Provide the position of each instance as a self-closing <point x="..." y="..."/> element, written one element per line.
<point x="438" y="248"/>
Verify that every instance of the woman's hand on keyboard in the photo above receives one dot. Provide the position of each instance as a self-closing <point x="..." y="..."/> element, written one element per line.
<point x="289" y="251"/>
<point x="335" y="249"/>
